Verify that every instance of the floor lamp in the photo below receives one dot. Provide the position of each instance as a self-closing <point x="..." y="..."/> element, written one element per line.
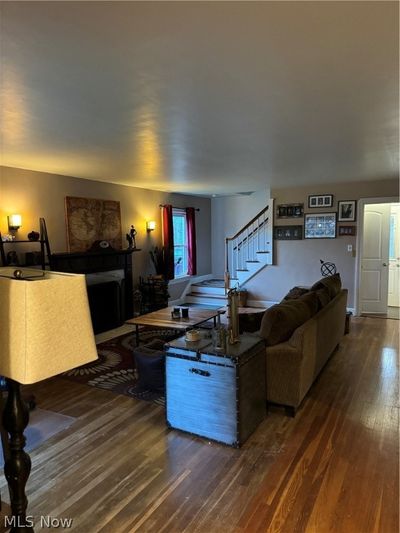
<point x="45" y="329"/>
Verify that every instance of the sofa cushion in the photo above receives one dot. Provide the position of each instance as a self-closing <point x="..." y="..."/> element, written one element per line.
<point x="332" y="283"/>
<point x="323" y="296"/>
<point x="280" y="320"/>
<point x="311" y="299"/>
<point x="295" y="293"/>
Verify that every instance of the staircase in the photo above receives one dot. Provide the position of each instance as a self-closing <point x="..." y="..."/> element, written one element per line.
<point x="208" y="293"/>
<point x="246" y="253"/>
<point x="251" y="249"/>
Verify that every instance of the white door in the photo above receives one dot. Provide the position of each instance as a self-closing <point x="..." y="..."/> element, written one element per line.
<point x="394" y="257"/>
<point x="375" y="259"/>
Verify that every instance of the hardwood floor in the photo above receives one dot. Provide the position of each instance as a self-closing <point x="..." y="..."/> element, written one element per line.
<point x="332" y="468"/>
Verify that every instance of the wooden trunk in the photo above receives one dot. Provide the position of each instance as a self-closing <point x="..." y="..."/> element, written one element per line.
<point x="218" y="396"/>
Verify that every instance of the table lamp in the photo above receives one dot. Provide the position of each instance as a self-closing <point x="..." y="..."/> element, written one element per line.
<point x="45" y="329"/>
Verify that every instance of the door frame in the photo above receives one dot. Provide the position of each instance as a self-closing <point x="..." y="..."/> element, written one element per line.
<point x="362" y="202"/>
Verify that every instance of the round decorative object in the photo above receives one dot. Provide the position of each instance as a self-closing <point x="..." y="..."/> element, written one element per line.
<point x="192" y="335"/>
<point x="33" y="236"/>
<point x="104" y="244"/>
<point x="327" y="269"/>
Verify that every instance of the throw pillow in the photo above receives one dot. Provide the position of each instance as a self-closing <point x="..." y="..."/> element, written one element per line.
<point x="332" y="283"/>
<point x="312" y="301"/>
<point x="323" y="297"/>
<point x="280" y="321"/>
<point x="295" y="293"/>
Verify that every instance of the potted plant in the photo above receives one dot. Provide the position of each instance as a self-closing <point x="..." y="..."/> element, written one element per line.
<point x="159" y="259"/>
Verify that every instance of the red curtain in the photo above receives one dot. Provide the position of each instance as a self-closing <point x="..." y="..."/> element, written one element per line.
<point x="168" y="241"/>
<point x="191" y="238"/>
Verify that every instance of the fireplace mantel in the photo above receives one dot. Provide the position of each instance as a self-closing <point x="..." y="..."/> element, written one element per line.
<point x="100" y="261"/>
<point x="91" y="261"/>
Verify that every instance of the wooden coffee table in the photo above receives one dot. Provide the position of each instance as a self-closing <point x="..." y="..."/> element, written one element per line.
<point x="162" y="319"/>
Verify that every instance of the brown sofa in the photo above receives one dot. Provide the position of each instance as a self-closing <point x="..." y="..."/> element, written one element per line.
<point x="301" y="333"/>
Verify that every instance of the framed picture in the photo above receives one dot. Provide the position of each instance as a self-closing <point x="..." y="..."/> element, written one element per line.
<point x="90" y="220"/>
<point x="288" y="233"/>
<point x="322" y="200"/>
<point x="347" y="211"/>
<point x="290" y="210"/>
<point x="347" y="230"/>
<point x="320" y="226"/>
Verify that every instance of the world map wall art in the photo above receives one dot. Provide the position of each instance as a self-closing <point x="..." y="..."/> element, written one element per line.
<point x="90" y="220"/>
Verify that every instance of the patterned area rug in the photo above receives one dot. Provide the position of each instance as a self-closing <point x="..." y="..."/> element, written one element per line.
<point x="115" y="369"/>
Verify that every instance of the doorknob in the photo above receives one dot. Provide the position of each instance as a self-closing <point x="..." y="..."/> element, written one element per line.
<point x="384" y="264"/>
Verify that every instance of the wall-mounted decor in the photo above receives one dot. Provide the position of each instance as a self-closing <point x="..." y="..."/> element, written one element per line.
<point x="290" y="210"/>
<point x="320" y="226"/>
<point x="320" y="200"/>
<point x="347" y="211"/>
<point x="90" y="220"/>
<point x="347" y="230"/>
<point x="288" y="233"/>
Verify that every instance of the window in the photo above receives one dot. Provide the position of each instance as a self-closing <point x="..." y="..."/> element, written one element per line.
<point x="180" y="243"/>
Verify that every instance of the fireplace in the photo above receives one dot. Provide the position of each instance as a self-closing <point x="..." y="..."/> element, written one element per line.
<point x="109" y="283"/>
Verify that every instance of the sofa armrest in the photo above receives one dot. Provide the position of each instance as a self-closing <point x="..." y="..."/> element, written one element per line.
<point x="303" y="337"/>
<point x="283" y="363"/>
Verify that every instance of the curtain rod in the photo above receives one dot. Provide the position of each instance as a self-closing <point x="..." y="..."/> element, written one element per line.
<point x="164" y="205"/>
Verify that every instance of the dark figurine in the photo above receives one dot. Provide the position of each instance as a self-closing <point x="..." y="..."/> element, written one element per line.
<point x="130" y="237"/>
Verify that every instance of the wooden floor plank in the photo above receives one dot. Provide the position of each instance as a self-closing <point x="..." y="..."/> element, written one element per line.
<point x="332" y="468"/>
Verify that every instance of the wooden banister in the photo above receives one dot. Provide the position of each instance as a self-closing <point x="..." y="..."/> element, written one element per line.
<point x="248" y="224"/>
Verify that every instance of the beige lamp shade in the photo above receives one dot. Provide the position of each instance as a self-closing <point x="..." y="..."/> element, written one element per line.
<point x="45" y="325"/>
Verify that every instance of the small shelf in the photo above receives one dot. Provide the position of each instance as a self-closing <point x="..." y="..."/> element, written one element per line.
<point x="15" y="241"/>
<point x="43" y="241"/>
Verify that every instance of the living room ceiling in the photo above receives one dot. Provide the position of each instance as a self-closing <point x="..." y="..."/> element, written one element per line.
<point x="201" y="97"/>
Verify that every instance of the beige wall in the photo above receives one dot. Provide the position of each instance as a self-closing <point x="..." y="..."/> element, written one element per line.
<point x="297" y="262"/>
<point x="38" y="194"/>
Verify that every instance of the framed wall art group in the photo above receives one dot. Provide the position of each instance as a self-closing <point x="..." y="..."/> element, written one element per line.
<point x="317" y="225"/>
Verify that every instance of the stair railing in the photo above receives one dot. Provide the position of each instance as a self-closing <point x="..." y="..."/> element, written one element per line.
<point x="242" y="248"/>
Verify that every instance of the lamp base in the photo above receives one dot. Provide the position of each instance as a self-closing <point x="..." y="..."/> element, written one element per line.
<point x="17" y="465"/>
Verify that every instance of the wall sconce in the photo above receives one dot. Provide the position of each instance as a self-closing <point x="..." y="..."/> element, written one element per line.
<point x="14" y="222"/>
<point x="150" y="225"/>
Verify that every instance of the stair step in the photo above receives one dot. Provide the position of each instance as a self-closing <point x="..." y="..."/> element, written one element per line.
<point x="205" y="300"/>
<point x="201" y="289"/>
<point x="207" y="296"/>
<point x="209" y="283"/>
